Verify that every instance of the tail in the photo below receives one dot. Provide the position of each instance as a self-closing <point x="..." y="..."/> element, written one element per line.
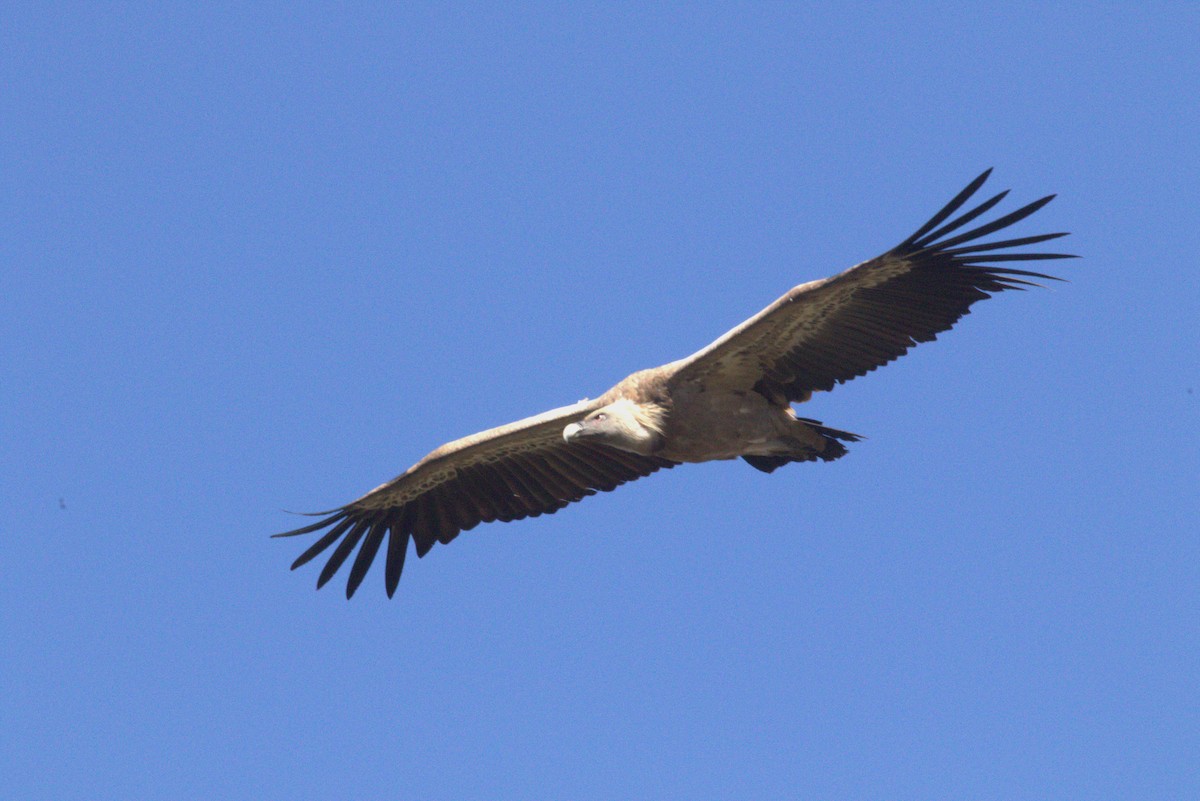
<point x="834" y="449"/>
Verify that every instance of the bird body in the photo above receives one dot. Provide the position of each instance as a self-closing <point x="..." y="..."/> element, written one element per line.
<point x="730" y="399"/>
<point x="680" y="418"/>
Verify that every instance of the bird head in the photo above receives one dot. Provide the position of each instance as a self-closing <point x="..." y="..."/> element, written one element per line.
<point x="623" y="425"/>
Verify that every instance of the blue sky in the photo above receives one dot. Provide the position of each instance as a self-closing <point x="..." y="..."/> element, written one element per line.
<point x="265" y="259"/>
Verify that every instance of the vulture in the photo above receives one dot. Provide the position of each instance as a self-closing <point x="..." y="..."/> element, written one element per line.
<point x="730" y="399"/>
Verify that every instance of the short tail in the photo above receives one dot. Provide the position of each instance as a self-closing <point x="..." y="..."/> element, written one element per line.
<point x="834" y="449"/>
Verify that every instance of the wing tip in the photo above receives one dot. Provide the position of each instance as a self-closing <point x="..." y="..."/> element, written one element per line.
<point x="950" y="208"/>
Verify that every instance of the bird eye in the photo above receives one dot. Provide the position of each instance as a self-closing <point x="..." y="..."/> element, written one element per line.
<point x="600" y="418"/>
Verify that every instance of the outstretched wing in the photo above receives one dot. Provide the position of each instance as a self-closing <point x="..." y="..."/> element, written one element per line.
<point x="827" y="332"/>
<point x="523" y="469"/>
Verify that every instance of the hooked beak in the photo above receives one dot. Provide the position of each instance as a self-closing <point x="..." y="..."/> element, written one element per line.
<point x="572" y="432"/>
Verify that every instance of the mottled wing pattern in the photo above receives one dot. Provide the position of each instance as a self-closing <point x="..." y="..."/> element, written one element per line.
<point x="827" y="332"/>
<point x="523" y="469"/>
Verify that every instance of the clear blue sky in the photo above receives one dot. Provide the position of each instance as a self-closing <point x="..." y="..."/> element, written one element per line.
<point x="256" y="260"/>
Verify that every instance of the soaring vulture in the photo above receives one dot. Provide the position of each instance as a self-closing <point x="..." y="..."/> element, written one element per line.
<point x="730" y="399"/>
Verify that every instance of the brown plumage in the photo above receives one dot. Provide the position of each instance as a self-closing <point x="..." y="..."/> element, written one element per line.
<point x="727" y="400"/>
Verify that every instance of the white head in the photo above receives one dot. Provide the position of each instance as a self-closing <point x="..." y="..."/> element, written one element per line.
<point x="623" y="425"/>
